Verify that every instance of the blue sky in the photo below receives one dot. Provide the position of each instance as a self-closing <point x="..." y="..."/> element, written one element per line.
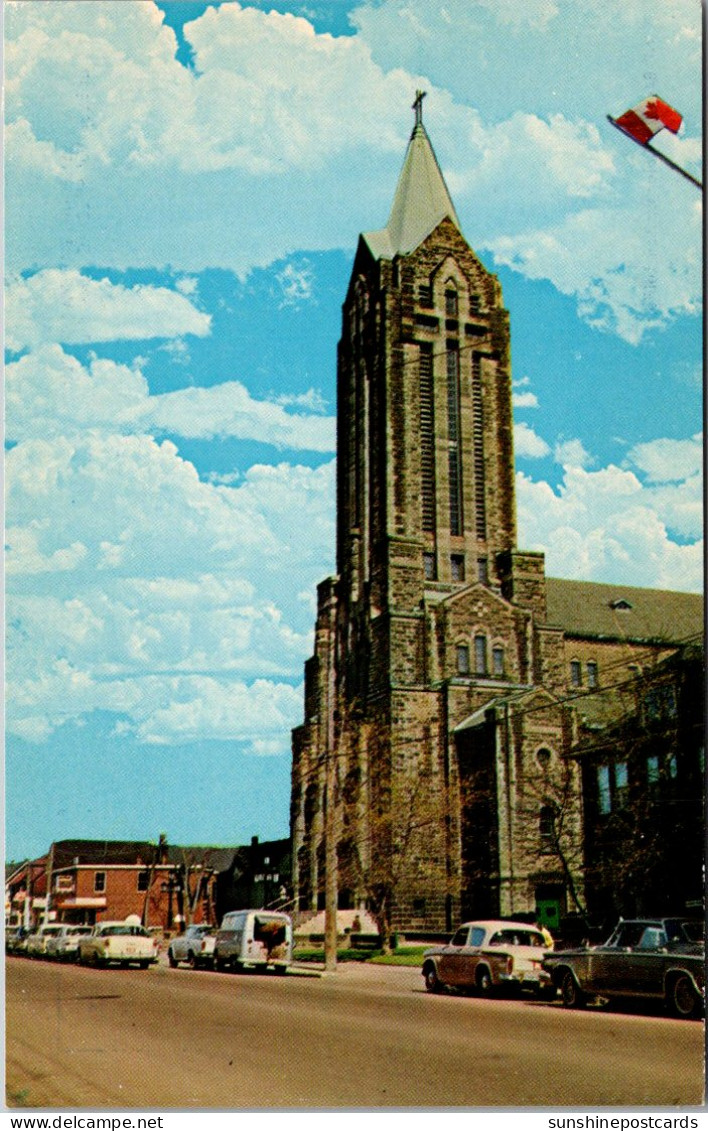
<point x="185" y="188"/>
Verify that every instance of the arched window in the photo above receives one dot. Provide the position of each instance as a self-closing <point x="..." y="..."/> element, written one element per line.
<point x="547" y="827"/>
<point x="543" y="757"/>
<point x="480" y="655"/>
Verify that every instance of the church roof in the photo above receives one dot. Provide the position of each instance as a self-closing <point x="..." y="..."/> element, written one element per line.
<point x="623" y="612"/>
<point x="421" y="199"/>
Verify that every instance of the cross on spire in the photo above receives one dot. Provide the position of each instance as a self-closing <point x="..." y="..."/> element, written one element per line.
<point x="418" y="106"/>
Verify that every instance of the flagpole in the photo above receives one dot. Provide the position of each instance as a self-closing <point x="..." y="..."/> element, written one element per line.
<point x="657" y="153"/>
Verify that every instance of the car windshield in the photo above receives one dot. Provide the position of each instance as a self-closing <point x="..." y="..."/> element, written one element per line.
<point x="79" y="931"/>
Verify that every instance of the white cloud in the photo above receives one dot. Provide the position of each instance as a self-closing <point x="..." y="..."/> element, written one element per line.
<point x="528" y="444"/>
<point x="665" y="461"/>
<point x="524" y="400"/>
<point x="300" y="136"/>
<point x="605" y="526"/>
<point x="624" y="281"/>
<point x="138" y="589"/>
<point x="49" y="393"/>
<point x="66" y="306"/>
<point x="228" y="409"/>
<point x="572" y="453"/>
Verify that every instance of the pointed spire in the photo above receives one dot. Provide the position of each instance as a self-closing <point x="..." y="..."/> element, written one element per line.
<point x="421" y="199"/>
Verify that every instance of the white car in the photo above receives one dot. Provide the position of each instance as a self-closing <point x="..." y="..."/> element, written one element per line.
<point x="195" y="946"/>
<point x="489" y="955"/>
<point x="38" y="940"/>
<point x="120" y="942"/>
<point x="64" y="945"/>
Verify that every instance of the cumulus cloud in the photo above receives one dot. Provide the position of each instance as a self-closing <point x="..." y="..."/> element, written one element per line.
<point x="300" y="136"/>
<point x="665" y="461"/>
<point x="228" y="409"/>
<point x="623" y="282"/>
<point x="66" y="306"/>
<point x="50" y="393"/>
<point x="604" y="526"/>
<point x="524" y="400"/>
<point x="136" y="588"/>
<point x="528" y="444"/>
<point x="572" y="453"/>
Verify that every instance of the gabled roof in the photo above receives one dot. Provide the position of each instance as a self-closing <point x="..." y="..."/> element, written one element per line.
<point x="622" y="612"/>
<point x="420" y="202"/>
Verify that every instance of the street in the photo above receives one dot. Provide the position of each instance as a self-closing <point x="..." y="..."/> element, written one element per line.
<point x="367" y="1036"/>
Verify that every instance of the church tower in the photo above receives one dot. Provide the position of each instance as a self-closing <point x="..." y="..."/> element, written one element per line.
<point x="433" y="627"/>
<point x="426" y="470"/>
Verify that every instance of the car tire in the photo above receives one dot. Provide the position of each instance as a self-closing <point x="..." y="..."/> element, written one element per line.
<point x="219" y="963"/>
<point x="573" y="996"/>
<point x="682" y="999"/>
<point x="432" y="983"/>
<point x="483" y="981"/>
<point x="191" y="960"/>
<point x="144" y="964"/>
<point x="171" y="959"/>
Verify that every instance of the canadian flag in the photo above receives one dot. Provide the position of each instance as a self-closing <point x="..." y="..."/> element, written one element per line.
<point x="646" y="119"/>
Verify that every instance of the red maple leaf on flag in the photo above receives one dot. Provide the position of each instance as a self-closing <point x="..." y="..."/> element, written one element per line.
<point x="659" y="111"/>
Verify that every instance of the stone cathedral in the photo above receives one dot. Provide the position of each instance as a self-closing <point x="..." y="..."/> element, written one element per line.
<point x="440" y="702"/>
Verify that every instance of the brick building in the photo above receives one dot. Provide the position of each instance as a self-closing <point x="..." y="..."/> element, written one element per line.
<point x="87" y="881"/>
<point x="444" y="695"/>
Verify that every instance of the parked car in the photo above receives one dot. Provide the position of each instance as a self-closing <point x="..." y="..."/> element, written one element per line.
<point x="660" y="959"/>
<point x="16" y="940"/>
<point x="254" y="938"/>
<point x="488" y="955"/>
<point x="64" y="945"/>
<point x="38" y="940"/>
<point x="121" y="942"/>
<point x="195" y="946"/>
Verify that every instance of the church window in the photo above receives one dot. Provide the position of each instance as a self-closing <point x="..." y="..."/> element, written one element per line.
<point x="543" y="757"/>
<point x="483" y="571"/>
<point x="592" y="673"/>
<point x="546" y="827"/>
<point x="673" y="767"/>
<point x="498" y="660"/>
<point x="621" y="783"/>
<point x="425" y="295"/>
<point x="463" y="659"/>
<point x="453" y="433"/>
<point x="429" y="569"/>
<point x="576" y="673"/>
<point x="451" y="302"/>
<point x="652" y="769"/>
<point x="480" y="655"/>
<point x="457" y="567"/>
<point x="604" y="794"/>
<point x="474" y="304"/>
<point x="427" y="437"/>
<point x="478" y="450"/>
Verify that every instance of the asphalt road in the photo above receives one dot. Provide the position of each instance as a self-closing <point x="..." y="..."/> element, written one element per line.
<point x="366" y="1036"/>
